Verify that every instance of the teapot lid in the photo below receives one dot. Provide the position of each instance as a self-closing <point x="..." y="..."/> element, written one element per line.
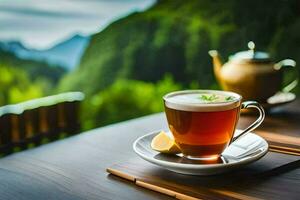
<point x="250" y="55"/>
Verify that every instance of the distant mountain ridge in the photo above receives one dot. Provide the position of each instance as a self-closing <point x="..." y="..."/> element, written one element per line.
<point x="66" y="54"/>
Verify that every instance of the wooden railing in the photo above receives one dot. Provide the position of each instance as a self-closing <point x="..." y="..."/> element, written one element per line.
<point x="45" y="119"/>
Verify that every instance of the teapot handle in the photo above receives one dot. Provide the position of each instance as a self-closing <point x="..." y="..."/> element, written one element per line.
<point x="288" y="63"/>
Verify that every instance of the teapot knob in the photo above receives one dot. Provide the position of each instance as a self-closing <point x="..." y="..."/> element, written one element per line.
<point x="251" y="45"/>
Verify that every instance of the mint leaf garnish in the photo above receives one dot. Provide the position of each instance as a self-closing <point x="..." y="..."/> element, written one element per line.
<point x="208" y="97"/>
<point x="229" y="98"/>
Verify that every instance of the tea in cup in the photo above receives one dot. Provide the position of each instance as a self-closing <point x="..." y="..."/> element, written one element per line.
<point x="203" y="122"/>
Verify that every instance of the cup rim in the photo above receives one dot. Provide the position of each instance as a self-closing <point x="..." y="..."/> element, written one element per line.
<point x="203" y="107"/>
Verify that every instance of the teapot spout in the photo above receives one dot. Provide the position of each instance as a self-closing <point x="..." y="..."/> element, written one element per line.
<point x="216" y="63"/>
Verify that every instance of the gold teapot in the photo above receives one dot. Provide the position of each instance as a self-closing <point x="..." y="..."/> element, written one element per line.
<point x="252" y="74"/>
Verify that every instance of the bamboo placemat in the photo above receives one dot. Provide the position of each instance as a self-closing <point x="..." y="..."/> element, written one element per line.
<point x="268" y="178"/>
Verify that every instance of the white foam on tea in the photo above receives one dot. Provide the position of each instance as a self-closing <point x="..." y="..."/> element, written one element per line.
<point x="199" y="100"/>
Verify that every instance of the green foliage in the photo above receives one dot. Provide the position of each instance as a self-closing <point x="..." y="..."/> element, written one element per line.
<point x="15" y="86"/>
<point x="34" y="70"/>
<point x="21" y="80"/>
<point x="126" y="99"/>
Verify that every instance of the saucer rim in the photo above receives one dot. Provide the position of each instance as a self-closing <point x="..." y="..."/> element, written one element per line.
<point x="167" y="164"/>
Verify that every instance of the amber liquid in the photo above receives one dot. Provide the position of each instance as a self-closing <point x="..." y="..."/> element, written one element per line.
<point x="202" y="134"/>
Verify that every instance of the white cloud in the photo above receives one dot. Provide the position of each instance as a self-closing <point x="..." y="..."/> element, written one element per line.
<point x="43" y="23"/>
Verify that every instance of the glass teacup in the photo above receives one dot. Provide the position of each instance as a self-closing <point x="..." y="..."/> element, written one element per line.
<point x="203" y="122"/>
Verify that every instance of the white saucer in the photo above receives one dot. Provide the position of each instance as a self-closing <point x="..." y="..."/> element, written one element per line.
<point x="247" y="149"/>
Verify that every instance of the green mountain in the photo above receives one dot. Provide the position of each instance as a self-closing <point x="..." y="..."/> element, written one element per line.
<point x="34" y="69"/>
<point x="173" y="37"/>
<point x="22" y="80"/>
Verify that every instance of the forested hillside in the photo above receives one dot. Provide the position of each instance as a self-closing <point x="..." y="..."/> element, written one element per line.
<point x="173" y="37"/>
<point x="165" y="48"/>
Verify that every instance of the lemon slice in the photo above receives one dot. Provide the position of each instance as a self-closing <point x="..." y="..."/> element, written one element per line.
<point x="164" y="144"/>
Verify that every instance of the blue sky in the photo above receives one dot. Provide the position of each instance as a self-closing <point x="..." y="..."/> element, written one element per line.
<point x="41" y="24"/>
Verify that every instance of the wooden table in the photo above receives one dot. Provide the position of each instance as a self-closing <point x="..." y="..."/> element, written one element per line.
<point x="75" y="168"/>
